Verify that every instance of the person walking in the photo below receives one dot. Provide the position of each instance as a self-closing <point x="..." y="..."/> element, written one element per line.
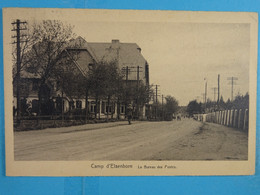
<point x="129" y="113"/>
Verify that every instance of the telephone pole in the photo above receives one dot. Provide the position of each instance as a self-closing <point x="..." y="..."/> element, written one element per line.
<point x="206" y="88"/>
<point x="156" y="93"/>
<point x="17" y="28"/>
<point x="232" y="85"/>
<point x="126" y="71"/>
<point x="156" y="100"/>
<point x="218" y="87"/>
<point x="138" y="81"/>
<point x="162" y="108"/>
<point x="136" y="69"/>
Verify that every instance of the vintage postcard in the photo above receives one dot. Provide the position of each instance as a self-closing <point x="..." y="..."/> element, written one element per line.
<point x="128" y="92"/>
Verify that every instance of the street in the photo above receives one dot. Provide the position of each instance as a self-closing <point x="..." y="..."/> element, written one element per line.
<point x="166" y="140"/>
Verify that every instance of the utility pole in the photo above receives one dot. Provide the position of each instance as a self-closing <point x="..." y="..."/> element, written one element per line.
<point x="138" y="70"/>
<point x="218" y="87"/>
<point x="137" y="98"/>
<point x="156" y="94"/>
<point x="156" y="100"/>
<point x="203" y="96"/>
<point x="162" y="108"/>
<point x="126" y="93"/>
<point x="232" y="85"/>
<point x="17" y="28"/>
<point x="206" y="88"/>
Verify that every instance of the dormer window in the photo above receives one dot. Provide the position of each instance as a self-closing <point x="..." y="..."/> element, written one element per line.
<point x="90" y="66"/>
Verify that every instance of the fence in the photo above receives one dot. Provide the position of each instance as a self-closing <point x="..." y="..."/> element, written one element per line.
<point x="231" y="118"/>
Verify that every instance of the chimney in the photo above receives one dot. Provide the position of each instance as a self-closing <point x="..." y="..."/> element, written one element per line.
<point x="115" y="41"/>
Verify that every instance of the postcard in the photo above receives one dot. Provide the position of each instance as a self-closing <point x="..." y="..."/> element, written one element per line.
<point x="129" y="92"/>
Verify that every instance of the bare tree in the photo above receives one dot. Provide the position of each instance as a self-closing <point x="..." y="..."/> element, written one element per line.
<point x="46" y="49"/>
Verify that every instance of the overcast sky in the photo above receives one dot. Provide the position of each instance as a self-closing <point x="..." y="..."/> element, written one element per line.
<point x="181" y="55"/>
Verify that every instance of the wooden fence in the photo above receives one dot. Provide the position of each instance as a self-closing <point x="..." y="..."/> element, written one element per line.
<point x="231" y="118"/>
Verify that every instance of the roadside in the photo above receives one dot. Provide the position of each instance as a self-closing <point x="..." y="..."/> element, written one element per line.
<point x="210" y="142"/>
<point x="30" y="125"/>
<point x="85" y="127"/>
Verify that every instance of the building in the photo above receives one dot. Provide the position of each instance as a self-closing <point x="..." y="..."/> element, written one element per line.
<point x="129" y="59"/>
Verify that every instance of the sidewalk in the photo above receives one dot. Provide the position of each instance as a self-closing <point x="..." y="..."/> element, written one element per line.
<point x="84" y="127"/>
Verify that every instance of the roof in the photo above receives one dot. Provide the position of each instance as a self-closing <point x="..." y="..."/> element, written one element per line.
<point x="82" y="43"/>
<point x="127" y="54"/>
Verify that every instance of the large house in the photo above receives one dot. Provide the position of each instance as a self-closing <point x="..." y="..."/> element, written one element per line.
<point x="127" y="55"/>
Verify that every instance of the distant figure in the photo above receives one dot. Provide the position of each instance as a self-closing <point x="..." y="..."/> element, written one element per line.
<point x="178" y="118"/>
<point x="29" y="108"/>
<point x="129" y="113"/>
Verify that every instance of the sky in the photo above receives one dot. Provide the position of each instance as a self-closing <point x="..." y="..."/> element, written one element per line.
<point x="182" y="57"/>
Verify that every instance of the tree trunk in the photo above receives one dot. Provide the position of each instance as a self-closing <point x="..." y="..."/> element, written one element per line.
<point x="62" y="108"/>
<point x="96" y="107"/>
<point x="108" y="104"/>
<point x="118" y="109"/>
<point x="86" y="106"/>
<point x="40" y="99"/>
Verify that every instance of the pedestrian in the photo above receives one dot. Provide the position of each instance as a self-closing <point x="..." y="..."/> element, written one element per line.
<point x="129" y="113"/>
<point x="29" y="108"/>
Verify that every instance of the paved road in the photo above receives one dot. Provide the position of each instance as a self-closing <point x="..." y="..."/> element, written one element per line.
<point x="111" y="141"/>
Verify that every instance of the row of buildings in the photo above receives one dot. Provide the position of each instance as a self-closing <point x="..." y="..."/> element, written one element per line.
<point x="89" y="53"/>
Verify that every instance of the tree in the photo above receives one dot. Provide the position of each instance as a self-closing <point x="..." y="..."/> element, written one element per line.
<point x="171" y="105"/>
<point x="48" y="41"/>
<point x="104" y="81"/>
<point x="241" y="102"/>
<point x="194" y="107"/>
<point x="112" y="82"/>
<point x="221" y="103"/>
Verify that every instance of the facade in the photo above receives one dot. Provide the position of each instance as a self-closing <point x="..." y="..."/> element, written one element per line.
<point x="128" y="57"/>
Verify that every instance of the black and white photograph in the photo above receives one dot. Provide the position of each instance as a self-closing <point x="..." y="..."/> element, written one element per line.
<point x="133" y="92"/>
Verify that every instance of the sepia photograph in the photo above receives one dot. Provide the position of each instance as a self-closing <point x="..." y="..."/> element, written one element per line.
<point x="103" y="92"/>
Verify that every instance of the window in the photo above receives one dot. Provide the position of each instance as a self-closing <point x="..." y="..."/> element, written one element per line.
<point x="71" y="105"/>
<point x="79" y="104"/>
<point x="122" y="110"/>
<point x="108" y="109"/>
<point x="90" y="66"/>
<point x="103" y="107"/>
<point x="92" y="107"/>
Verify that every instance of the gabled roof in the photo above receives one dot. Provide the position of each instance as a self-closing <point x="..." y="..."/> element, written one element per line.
<point x="83" y="44"/>
<point x="127" y="54"/>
